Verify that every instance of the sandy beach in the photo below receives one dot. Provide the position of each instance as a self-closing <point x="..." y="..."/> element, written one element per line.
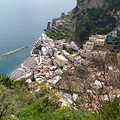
<point x="24" y="68"/>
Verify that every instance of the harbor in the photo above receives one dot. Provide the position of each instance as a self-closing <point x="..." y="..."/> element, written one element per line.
<point x="14" y="51"/>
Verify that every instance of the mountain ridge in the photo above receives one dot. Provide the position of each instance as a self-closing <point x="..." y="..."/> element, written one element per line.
<point x="95" y="17"/>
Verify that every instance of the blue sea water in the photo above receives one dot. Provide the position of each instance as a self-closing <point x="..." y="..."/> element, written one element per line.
<point x="21" y="22"/>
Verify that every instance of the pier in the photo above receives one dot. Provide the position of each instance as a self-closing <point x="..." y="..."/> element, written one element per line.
<point x="14" y="51"/>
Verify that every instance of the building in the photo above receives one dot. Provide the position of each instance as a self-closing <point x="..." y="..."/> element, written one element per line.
<point x="73" y="46"/>
<point x="118" y="27"/>
<point x="118" y="57"/>
<point x="61" y="60"/>
<point x="65" y="53"/>
<point x="100" y="40"/>
<point x="89" y="45"/>
<point x="58" y="22"/>
<point x="49" y="25"/>
<point x="55" y="19"/>
<point x="113" y="34"/>
<point x="72" y="57"/>
<point x="110" y="40"/>
<point x="62" y="16"/>
<point x="92" y="38"/>
<point x="101" y="36"/>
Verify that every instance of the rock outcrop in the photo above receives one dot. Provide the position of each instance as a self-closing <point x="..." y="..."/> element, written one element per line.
<point x="88" y="4"/>
<point x="95" y="17"/>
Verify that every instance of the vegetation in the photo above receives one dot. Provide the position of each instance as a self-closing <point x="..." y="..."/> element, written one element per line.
<point x="13" y="96"/>
<point x="93" y="22"/>
<point x="44" y="109"/>
<point x="56" y="33"/>
<point x="69" y="50"/>
<point x="16" y="101"/>
<point x="110" y="110"/>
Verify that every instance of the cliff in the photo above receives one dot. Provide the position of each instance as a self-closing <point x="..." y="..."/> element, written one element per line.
<point x="95" y="17"/>
<point x="88" y="4"/>
<point x="87" y="18"/>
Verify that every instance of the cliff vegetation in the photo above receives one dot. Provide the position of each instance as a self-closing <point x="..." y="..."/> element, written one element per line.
<point x="95" y="17"/>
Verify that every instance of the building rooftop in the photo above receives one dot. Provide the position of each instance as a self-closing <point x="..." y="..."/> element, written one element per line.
<point x="111" y="39"/>
<point x="100" y="39"/>
<point x="118" y="54"/>
<point x="59" y="70"/>
<point x="89" y="41"/>
<point x="101" y="36"/>
<point x="61" y="57"/>
<point x="56" y="18"/>
<point x="78" y="57"/>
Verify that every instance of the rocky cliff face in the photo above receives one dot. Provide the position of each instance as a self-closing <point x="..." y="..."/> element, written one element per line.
<point x="95" y="17"/>
<point x="88" y="4"/>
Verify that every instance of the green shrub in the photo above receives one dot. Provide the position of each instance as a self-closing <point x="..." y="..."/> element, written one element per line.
<point x="69" y="50"/>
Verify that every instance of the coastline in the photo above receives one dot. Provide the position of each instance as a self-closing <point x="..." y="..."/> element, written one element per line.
<point x="26" y="68"/>
<point x="22" y="69"/>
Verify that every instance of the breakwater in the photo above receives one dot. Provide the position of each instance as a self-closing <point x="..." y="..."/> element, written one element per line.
<point x="14" y="51"/>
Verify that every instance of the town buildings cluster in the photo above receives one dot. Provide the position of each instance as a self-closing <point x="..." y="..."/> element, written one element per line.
<point x="54" y="59"/>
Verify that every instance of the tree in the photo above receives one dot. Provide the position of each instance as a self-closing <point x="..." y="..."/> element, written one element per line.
<point x="13" y="97"/>
<point x="110" y="110"/>
<point x="6" y="101"/>
<point x="6" y="81"/>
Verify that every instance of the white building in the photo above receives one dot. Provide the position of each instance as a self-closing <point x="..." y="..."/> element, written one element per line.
<point x="100" y="40"/>
<point x="89" y="45"/>
<point x="65" y="53"/>
<point x="92" y="38"/>
<point x="73" y="46"/>
<point x="61" y="60"/>
<point x="101" y="36"/>
<point x="118" y="57"/>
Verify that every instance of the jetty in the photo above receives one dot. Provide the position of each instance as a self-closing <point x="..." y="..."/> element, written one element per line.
<point x="14" y="51"/>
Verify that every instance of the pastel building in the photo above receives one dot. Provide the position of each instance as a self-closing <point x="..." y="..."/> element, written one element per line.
<point x="59" y="22"/>
<point x="55" y="19"/>
<point x="100" y="40"/>
<point x="89" y="45"/>
<point x="61" y="60"/>
<point x="118" y="57"/>
<point x="92" y="38"/>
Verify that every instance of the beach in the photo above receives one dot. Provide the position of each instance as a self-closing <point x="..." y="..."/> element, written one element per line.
<point x="24" y="68"/>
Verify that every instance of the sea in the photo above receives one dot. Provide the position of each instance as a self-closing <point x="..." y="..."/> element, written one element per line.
<point x="21" y="22"/>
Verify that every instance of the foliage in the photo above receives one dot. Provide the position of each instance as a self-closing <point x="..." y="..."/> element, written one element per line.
<point x="56" y="33"/>
<point x="43" y="111"/>
<point x="43" y="91"/>
<point x="13" y="95"/>
<point x="94" y="20"/>
<point x="38" y="108"/>
<point x="69" y="50"/>
<point x="9" y="83"/>
<point x="110" y="110"/>
<point x="6" y="81"/>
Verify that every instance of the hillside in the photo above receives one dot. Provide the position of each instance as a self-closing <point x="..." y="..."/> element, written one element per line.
<point x="95" y="17"/>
